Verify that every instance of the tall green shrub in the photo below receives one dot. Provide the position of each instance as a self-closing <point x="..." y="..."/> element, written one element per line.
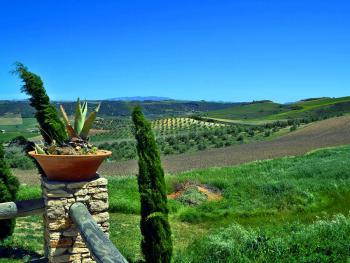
<point x="52" y="128"/>
<point x="8" y="189"/>
<point x="156" y="244"/>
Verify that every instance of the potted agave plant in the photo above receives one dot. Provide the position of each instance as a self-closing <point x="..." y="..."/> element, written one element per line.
<point x="75" y="159"/>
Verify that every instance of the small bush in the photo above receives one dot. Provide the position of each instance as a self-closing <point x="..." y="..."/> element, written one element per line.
<point x="202" y="146"/>
<point x="293" y="128"/>
<point x="219" y="144"/>
<point x="267" y="133"/>
<point x="240" y="138"/>
<point x="192" y="196"/>
<point x="251" y="132"/>
<point x="17" y="158"/>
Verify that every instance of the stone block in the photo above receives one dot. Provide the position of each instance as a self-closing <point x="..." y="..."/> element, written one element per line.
<point x="56" y="212"/>
<point x="62" y="242"/>
<point x="100" y="196"/>
<point x="81" y="192"/>
<point x="50" y="235"/>
<point x="57" y="251"/>
<point x="81" y="250"/>
<point x="72" y="232"/>
<point x="99" y="182"/>
<point x="59" y="224"/>
<point x="87" y="260"/>
<point x="57" y="194"/>
<point x="98" y="206"/>
<point x="52" y="185"/>
<point x="82" y="198"/>
<point x="85" y="184"/>
<point x="55" y="202"/>
<point x="65" y="258"/>
<point x="101" y="217"/>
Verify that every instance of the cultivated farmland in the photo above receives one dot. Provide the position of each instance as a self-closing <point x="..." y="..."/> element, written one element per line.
<point x="26" y="127"/>
<point x="178" y="125"/>
<point x="325" y="133"/>
<point x="10" y="119"/>
<point x="330" y="132"/>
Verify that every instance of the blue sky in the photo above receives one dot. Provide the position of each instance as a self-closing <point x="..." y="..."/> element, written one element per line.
<point x="214" y="50"/>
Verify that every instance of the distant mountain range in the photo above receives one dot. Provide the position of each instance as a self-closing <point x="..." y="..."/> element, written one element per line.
<point x="139" y="98"/>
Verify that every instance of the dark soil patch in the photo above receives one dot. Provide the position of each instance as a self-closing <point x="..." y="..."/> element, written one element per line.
<point x="193" y="193"/>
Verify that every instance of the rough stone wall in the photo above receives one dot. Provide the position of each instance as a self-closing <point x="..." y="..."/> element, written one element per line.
<point x="63" y="242"/>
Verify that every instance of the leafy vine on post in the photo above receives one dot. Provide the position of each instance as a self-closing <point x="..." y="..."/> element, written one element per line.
<point x="156" y="244"/>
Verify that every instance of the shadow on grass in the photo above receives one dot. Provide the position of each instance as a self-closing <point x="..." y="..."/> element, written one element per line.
<point x="19" y="253"/>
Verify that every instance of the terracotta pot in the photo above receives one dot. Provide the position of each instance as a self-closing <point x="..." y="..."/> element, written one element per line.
<point x="70" y="167"/>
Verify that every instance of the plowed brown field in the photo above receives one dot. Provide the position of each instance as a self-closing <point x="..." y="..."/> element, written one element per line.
<point x="331" y="132"/>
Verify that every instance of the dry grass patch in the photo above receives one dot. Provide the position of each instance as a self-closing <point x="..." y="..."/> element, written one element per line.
<point x="11" y="119"/>
<point x="195" y="193"/>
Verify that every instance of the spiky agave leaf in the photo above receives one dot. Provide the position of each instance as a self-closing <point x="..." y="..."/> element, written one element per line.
<point x="70" y="130"/>
<point x="52" y="148"/>
<point x="79" y="120"/>
<point x="88" y="123"/>
<point x="38" y="149"/>
<point x="84" y="109"/>
<point x="64" y="114"/>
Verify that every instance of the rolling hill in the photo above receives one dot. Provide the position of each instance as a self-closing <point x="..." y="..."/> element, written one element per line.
<point x="254" y="111"/>
<point x="152" y="109"/>
<point x="268" y="110"/>
<point x="326" y="133"/>
<point x="316" y="107"/>
<point x="330" y="132"/>
<point x="140" y="98"/>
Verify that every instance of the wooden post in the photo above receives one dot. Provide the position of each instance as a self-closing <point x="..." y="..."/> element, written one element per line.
<point x="101" y="248"/>
<point x="10" y="210"/>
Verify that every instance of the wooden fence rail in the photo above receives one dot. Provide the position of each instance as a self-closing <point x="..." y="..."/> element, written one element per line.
<point x="101" y="248"/>
<point x="21" y="208"/>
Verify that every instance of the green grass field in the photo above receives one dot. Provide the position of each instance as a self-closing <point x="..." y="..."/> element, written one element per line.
<point x="307" y="105"/>
<point x="292" y="209"/>
<point x="310" y="106"/>
<point x="256" y="113"/>
<point x="249" y="111"/>
<point x="27" y="128"/>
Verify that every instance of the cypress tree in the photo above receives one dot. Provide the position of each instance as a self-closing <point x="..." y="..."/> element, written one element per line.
<point x="8" y="189"/>
<point x="52" y="128"/>
<point x="156" y="243"/>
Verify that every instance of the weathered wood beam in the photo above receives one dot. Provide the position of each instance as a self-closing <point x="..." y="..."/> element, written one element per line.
<point x="101" y="248"/>
<point x="10" y="210"/>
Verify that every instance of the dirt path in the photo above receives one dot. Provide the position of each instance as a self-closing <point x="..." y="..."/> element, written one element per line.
<point x="331" y="132"/>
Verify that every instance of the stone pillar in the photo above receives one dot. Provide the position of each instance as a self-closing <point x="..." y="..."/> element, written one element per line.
<point x="63" y="242"/>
